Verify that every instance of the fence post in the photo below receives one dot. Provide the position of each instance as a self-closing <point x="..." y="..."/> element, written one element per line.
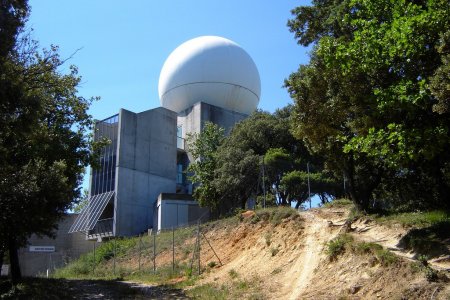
<point x="93" y="264"/>
<point x="140" y="242"/>
<point x="114" y="260"/>
<point x="173" y="249"/>
<point x="198" y="241"/>
<point x="154" y="252"/>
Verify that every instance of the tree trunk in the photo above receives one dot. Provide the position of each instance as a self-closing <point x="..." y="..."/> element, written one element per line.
<point x="16" y="276"/>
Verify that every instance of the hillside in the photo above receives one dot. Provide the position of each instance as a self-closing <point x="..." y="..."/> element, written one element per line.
<point x="283" y="254"/>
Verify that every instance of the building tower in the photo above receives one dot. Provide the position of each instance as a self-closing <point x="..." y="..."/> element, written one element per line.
<point x="208" y="78"/>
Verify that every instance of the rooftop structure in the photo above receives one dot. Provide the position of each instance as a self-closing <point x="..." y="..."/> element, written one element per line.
<point x="212" y="70"/>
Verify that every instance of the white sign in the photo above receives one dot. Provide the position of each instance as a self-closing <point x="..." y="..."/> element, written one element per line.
<point x="42" y="248"/>
<point x="5" y="270"/>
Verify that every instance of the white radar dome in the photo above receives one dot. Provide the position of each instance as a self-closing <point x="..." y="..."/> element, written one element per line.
<point x="213" y="70"/>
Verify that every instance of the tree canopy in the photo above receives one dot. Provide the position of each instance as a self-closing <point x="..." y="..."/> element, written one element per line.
<point x="44" y="135"/>
<point x="259" y="152"/>
<point x="373" y="101"/>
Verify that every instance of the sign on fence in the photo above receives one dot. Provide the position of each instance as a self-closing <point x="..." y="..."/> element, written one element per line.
<point x="42" y="248"/>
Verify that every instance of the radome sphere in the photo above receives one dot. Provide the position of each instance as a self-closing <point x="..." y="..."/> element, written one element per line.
<point x="213" y="70"/>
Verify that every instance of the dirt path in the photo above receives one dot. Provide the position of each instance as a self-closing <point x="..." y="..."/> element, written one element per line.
<point x="317" y="234"/>
<point x="109" y="289"/>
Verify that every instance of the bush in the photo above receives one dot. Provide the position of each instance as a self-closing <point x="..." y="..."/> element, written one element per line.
<point x="385" y="257"/>
<point x="338" y="245"/>
<point x="339" y="203"/>
<point x="233" y="274"/>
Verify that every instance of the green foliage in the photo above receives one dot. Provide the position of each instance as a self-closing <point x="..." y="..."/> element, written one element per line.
<point x="236" y="289"/>
<point x="337" y="246"/>
<point x="415" y="219"/>
<point x="385" y="257"/>
<point x="339" y="203"/>
<point x="423" y="266"/>
<point x="233" y="274"/>
<point x="429" y="241"/>
<point x="209" y="291"/>
<point x="373" y="101"/>
<point x="45" y="141"/>
<point x="345" y="242"/>
<point x="203" y="148"/>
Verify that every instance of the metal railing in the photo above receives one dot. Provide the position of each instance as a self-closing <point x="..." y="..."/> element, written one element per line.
<point x="103" y="227"/>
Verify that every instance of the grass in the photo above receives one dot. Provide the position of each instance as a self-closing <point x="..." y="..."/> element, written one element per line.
<point x="337" y="203"/>
<point x="99" y="265"/>
<point x="275" y="215"/>
<point x="337" y="246"/>
<point x="345" y="242"/>
<point x="236" y="289"/>
<point x="415" y="219"/>
<point x="428" y="231"/>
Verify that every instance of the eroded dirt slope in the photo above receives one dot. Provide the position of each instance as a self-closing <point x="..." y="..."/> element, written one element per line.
<point x="289" y="261"/>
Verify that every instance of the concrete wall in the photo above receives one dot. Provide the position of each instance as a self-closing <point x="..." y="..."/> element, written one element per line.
<point x="178" y="210"/>
<point x="146" y="167"/>
<point x="194" y="118"/>
<point x="67" y="248"/>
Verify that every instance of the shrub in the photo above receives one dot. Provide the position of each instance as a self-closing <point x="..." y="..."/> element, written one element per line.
<point x="337" y="246"/>
<point x="339" y="203"/>
<point x="385" y="257"/>
<point x="233" y="274"/>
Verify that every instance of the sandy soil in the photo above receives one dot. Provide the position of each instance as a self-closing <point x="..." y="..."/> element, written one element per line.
<point x="289" y="261"/>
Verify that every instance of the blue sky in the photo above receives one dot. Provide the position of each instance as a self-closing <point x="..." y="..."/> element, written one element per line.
<point x="124" y="44"/>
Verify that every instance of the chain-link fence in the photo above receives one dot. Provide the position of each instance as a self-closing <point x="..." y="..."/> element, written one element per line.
<point x="173" y="251"/>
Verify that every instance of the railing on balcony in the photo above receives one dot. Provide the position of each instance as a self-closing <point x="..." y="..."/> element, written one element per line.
<point x="103" y="228"/>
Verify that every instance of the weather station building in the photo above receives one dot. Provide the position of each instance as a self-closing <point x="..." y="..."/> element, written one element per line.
<point x="141" y="182"/>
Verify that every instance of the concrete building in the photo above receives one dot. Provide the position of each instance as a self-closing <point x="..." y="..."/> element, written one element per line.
<point x="45" y="254"/>
<point x="142" y="175"/>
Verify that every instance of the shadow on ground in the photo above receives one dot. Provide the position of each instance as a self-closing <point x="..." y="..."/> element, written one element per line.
<point x="433" y="241"/>
<point x="43" y="288"/>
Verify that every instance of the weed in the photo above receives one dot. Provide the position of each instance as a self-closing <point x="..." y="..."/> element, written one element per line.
<point x="243" y="285"/>
<point x="212" y="264"/>
<point x="209" y="291"/>
<point x="366" y="248"/>
<point x="385" y="257"/>
<point x="233" y="274"/>
<point x="423" y="265"/>
<point x="337" y="246"/>
<point x="415" y="219"/>
<point x="277" y="271"/>
<point x="281" y="213"/>
<point x="354" y="214"/>
<point x="339" y="203"/>
<point x="255" y="219"/>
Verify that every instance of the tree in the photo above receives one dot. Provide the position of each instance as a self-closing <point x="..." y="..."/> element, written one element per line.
<point x="44" y="140"/>
<point x="203" y="147"/>
<point x="277" y="162"/>
<point x="365" y="103"/>
<point x="240" y="157"/>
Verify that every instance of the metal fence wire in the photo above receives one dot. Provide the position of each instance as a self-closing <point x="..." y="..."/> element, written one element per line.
<point x="167" y="251"/>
